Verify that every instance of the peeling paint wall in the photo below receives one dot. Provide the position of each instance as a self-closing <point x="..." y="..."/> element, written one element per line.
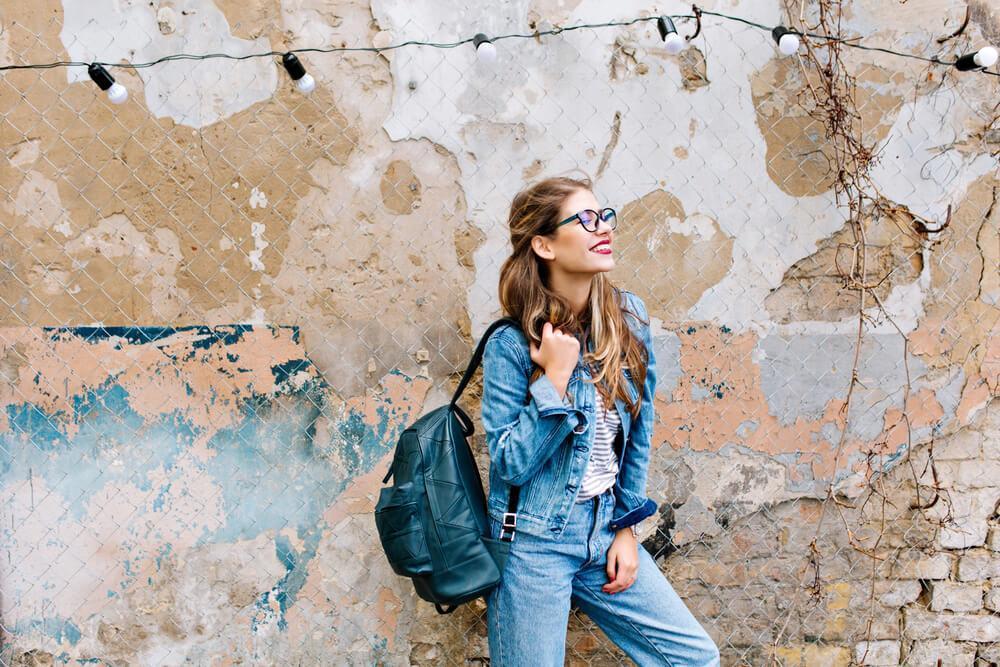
<point x="222" y="301"/>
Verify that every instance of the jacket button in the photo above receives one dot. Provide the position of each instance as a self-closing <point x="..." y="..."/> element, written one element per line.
<point x="580" y="428"/>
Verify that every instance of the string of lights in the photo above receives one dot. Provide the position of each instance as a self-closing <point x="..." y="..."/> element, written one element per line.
<point x="787" y="40"/>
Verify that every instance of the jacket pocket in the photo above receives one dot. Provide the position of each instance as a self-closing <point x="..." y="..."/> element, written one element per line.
<point x="397" y="517"/>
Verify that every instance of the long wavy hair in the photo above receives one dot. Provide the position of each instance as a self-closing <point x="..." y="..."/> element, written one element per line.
<point x="608" y="343"/>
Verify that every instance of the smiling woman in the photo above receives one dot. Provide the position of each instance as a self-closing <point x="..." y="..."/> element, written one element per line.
<point x="568" y="413"/>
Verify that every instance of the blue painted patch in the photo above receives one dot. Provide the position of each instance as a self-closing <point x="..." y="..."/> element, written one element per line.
<point x="132" y="335"/>
<point x="273" y="473"/>
<point x="113" y="445"/>
<point x="284" y="372"/>
<point x="161" y="497"/>
<point x="58" y="628"/>
<point x="165" y="550"/>
<point x="287" y="588"/>
<point x="226" y="335"/>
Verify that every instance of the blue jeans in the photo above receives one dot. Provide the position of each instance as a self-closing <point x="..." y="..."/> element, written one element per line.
<point x="528" y="611"/>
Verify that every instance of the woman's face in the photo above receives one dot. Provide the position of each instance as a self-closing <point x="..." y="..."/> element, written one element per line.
<point x="573" y="249"/>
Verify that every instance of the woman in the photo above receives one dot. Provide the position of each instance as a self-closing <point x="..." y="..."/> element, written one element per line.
<point x="572" y="431"/>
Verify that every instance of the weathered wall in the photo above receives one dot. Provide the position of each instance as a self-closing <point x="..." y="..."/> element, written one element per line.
<point x="222" y="301"/>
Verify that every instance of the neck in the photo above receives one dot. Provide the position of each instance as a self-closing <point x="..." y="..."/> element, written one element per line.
<point x="574" y="287"/>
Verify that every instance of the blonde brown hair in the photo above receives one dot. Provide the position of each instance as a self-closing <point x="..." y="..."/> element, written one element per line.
<point x="525" y="296"/>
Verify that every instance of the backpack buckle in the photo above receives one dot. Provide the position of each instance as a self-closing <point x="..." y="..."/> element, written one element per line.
<point x="509" y="524"/>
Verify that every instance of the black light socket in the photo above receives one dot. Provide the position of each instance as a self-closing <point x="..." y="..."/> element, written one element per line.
<point x="293" y="66"/>
<point x="100" y="76"/>
<point x="666" y="26"/>
<point x="778" y="32"/>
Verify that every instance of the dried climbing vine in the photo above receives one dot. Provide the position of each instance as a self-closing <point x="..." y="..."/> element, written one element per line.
<point x="829" y="96"/>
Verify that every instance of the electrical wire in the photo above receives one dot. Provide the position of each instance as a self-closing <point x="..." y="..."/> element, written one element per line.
<point x="451" y="45"/>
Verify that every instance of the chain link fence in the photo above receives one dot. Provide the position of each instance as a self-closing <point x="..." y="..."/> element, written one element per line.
<point x="223" y="300"/>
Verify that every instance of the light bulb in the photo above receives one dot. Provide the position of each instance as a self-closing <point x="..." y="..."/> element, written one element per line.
<point x="297" y="71"/>
<point x="788" y="41"/>
<point x="788" y="44"/>
<point x="672" y="42"/>
<point x="985" y="57"/>
<point x="981" y="59"/>
<point x="485" y="51"/>
<point x="117" y="93"/>
<point x="306" y="84"/>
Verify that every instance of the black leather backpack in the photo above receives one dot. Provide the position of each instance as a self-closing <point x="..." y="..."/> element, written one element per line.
<point x="432" y="520"/>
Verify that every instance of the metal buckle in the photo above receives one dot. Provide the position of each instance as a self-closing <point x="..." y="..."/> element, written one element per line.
<point x="509" y="523"/>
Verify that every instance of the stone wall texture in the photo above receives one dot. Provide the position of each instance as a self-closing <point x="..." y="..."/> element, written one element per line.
<point x="222" y="301"/>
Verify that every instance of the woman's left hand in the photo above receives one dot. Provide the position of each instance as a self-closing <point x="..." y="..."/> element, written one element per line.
<point x="623" y="561"/>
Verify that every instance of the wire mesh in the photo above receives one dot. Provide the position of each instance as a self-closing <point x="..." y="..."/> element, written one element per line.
<point x="223" y="300"/>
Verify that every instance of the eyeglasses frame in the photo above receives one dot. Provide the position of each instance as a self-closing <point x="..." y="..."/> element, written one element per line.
<point x="600" y="218"/>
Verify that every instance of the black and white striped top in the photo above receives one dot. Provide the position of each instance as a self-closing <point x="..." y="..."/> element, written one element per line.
<point x="602" y="468"/>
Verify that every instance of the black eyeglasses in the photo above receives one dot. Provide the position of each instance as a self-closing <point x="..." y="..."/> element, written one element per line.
<point x="589" y="218"/>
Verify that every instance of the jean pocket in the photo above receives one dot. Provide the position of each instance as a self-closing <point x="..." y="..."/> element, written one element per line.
<point x="397" y="517"/>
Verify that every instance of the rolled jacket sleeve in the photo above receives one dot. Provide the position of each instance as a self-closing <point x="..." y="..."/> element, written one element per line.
<point x="524" y="424"/>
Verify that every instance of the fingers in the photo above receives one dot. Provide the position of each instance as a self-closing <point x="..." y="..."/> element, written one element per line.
<point x="618" y="585"/>
<point x="549" y="330"/>
<point x="620" y="576"/>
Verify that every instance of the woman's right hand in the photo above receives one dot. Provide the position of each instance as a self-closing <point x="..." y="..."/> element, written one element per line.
<point x="558" y="353"/>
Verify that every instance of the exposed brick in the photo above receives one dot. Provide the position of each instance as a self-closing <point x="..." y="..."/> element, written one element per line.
<point x="714" y="573"/>
<point x="813" y="655"/>
<point x="994" y="539"/>
<point x="965" y="444"/>
<point x="914" y="532"/>
<point x="992" y="599"/>
<point x="989" y="655"/>
<point x="848" y="624"/>
<point x="897" y="593"/>
<point x="963" y="533"/>
<point x="948" y="595"/>
<point x="703" y="605"/>
<point x="979" y="565"/>
<point x="922" y="566"/>
<point x="877" y="653"/>
<point x="921" y="624"/>
<point x="973" y="474"/>
<point x="950" y="654"/>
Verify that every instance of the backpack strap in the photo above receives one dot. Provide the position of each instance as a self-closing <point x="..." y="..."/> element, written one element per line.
<point x="509" y="525"/>
<point x="477" y="357"/>
<point x="470" y="370"/>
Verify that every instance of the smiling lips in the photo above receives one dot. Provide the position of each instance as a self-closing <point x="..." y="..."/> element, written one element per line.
<point x="602" y="248"/>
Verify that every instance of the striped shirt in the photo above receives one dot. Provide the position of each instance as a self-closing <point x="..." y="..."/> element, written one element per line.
<point x="602" y="468"/>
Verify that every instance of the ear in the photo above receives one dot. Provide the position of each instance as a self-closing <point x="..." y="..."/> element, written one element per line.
<point x="541" y="246"/>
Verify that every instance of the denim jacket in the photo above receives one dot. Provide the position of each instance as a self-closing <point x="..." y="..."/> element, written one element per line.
<point x="542" y="443"/>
